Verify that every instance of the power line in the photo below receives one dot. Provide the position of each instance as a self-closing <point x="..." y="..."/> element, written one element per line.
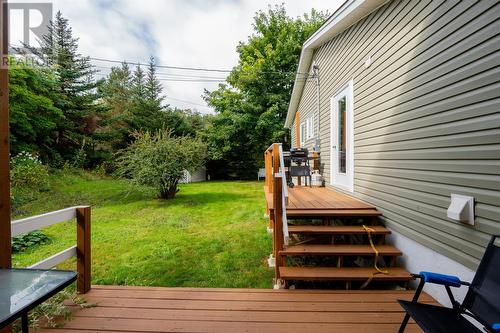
<point x="163" y="66"/>
<point x="169" y="75"/>
<point x="179" y="79"/>
<point x="186" y="102"/>
<point x="217" y="70"/>
<point x="190" y="68"/>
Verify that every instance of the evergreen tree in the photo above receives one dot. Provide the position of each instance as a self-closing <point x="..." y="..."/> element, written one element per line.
<point x="75" y="85"/>
<point x="147" y="112"/>
<point x="139" y="84"/>
<point x="154" y="88"/>
<point x="133" y="102"/>
<point x="116" y="95"/>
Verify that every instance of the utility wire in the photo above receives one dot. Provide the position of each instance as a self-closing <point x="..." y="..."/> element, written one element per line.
<point x="217" y="70"/>
<point x="188" y="68"/>
<point x="173" y="77"/>
<point x="167" y="75"/>
<point x="163" y="66"/>
<point x="186" y="102"/>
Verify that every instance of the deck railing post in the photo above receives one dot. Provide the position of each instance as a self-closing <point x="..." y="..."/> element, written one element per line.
<point x="5" y="228"/>
<point x="269" y="170"/>
<point x="275" y="160"/>
<point x="83" y="249"/>
<point x="278" y="223"/>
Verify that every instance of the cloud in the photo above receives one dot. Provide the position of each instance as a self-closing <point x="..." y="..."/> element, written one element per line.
<point x="187" y="33"/>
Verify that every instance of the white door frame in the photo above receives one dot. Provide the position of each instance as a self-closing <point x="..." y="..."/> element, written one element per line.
<point x="344" y="181"/>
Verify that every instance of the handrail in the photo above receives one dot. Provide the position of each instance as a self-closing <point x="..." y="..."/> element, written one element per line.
<point x="56" y="259"/>
<point x="36" y="222"/>
<point x="275" y="167"/>
<point x="284" y="199"/>
<point x="81" y="250"/>
<point x="283" y="175"/>
<point x="269" y="156"/>
<point x="286" y="235"/>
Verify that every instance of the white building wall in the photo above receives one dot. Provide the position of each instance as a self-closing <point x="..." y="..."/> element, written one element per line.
<point x="417" y="258"/>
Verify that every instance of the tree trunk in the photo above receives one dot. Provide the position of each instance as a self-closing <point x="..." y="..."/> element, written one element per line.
<point x="169" y="193"/>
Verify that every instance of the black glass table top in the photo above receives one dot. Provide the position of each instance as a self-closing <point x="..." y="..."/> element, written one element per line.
<point x="23" y="289"/>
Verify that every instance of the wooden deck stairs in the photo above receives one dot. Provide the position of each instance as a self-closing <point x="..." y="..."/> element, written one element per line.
<point x="323" y="235"/>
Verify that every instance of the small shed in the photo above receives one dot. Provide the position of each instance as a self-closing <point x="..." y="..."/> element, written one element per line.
<point x="199" y="175"/>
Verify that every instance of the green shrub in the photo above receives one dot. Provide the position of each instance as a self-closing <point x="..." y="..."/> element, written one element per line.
<point x="27" y="171"/>
<point x="160" y="160"/>
<point x="28" y="177"/>
<point x="22" y="242"/>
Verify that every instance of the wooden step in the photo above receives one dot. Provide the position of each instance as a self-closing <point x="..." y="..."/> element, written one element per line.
<point x="305" y="213"/>
<point x="336" y="229"/>
<point x="342" y="274"/>
<point x="339" y="250"/>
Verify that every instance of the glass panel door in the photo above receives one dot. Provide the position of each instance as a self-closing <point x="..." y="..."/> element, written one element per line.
<point x="342" y="139"/>
<point x="342" y="135"/>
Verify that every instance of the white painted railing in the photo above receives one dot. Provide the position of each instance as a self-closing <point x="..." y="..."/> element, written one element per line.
<point x="81" y="250"/>
<point x="284" y="199"/>
<point x="283" y="175"/>
<point x="56" y="259"/>
<point x="275" y="166"/>
<point x="38" y="222"/>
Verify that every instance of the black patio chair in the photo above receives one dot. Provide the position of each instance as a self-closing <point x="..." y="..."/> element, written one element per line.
<point x="482" y="301"/>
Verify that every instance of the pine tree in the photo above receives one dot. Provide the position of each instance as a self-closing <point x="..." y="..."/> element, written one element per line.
<point x="139" y="84"/>
<point x="147" y="112"/>
<point x="154" y="88"/>
<point x="75" y="85"/>
<point x="116" y="95"/>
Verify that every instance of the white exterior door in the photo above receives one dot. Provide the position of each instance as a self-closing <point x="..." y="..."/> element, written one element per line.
<point x="342" y="139"/>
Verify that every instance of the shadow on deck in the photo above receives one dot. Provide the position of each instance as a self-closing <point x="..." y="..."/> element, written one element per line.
<point x="154" y="309"/>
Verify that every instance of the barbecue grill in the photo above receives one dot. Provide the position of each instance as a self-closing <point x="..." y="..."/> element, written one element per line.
<point x="299" y="165"/>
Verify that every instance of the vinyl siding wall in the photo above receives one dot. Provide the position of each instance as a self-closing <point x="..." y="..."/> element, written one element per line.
<point x="426" y="117"/>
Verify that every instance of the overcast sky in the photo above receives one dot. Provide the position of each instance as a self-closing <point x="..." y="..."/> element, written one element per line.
<point x="186" y="33"/>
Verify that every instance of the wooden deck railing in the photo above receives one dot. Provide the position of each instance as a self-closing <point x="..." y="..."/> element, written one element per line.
<point x="277" y="185"/>
<point x="275" y="163"/>
<point x="81" y="250"/>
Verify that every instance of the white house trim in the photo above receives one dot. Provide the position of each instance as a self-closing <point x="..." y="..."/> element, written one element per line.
<point x="348" y="14"/>
<point x="343" y="181"/>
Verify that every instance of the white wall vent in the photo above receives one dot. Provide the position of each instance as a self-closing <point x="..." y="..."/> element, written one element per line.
<point x="461" y="209"/>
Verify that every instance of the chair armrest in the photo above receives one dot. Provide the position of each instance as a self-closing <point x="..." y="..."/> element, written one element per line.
<point x="495" y="328"/>
<point x="446" y="280"/>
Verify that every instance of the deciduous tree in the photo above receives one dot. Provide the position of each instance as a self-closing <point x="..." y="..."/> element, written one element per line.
<point x="251" y="107"/>
<point x="160" y="160"/>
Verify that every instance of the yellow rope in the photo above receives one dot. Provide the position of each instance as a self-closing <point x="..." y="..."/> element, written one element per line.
<point x="369" y="231"/>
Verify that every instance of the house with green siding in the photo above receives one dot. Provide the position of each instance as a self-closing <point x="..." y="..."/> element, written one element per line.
<point x="401" y="99"/>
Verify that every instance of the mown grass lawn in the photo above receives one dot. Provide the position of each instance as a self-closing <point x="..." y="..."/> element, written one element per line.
<point x="212" y="234"/>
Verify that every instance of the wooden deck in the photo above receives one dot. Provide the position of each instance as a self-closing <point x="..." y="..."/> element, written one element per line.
<point x="321" y="199"/>
<point x="145" y="309"/>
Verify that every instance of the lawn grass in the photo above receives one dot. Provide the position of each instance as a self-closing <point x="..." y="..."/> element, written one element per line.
<point x="211" y="235"/>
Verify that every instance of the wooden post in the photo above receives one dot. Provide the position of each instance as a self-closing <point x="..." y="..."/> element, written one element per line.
<point x="269" y="171"/>
<point x="297" y="129"/>
<point x="271" y="218"/>
<point x="83" y="249"/>
<point x="5" y="228"/>
<point x="278" y="223"/>
<point x="276" y="160"/>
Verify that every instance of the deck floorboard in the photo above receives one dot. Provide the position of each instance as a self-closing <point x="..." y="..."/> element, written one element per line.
<point x="156" y="309"/>
<point x="319" y="198"/>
